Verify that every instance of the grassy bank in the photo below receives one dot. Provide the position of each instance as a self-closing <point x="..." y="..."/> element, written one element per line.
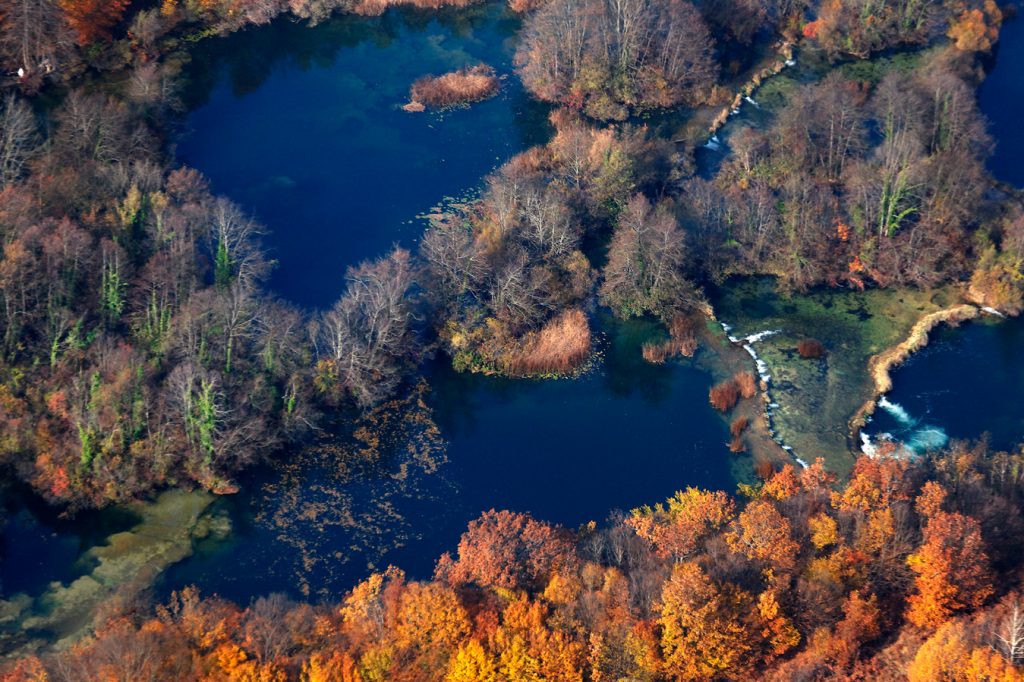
<point x="817" y="397"/>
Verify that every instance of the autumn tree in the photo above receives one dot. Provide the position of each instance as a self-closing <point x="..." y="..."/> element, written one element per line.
<point x="764" y="535"/>
<point x="677" y="527"/>
<point x="506" y="550"/>
<point x="92" y="20"/>
<point x="703" y="635"/>
<point x="644" y="273"/>
<point x="611" y="57"/>
<point x="952" y="570"/>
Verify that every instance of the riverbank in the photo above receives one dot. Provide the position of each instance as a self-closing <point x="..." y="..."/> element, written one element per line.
<point x="881" y="365"/>
<point x="117" y="569"/>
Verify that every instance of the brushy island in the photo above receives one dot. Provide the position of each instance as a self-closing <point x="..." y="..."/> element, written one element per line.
<point x="464" y="86"/>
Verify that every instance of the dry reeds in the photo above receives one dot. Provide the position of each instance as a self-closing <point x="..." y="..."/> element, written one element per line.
<point x="724" y="395"/>
<point x="746" y="383"/>
<point x="738" y="426"/>
<point x="470" y="84"/>
<point x="558" y="348"/>
<point x="682" y="341"/>
<point x="811" y="349"/>
<point x="764" y="469"/>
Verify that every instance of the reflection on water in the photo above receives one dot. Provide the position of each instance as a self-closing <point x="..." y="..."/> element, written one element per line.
<point x="303" y="126"/>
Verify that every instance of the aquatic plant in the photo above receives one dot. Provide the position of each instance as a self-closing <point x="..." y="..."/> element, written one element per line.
<point x="810" y="349"/>
<point x="724" y="395"/>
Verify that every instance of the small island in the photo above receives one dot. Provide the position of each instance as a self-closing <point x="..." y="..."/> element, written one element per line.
<point x="464" y="86"/>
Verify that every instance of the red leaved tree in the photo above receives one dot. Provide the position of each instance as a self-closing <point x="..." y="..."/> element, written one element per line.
<point x="93" y="19"/>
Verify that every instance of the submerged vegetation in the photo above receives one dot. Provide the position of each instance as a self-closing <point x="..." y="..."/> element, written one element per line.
<point x="909" y="571"/>
<point x="140" y="350"/>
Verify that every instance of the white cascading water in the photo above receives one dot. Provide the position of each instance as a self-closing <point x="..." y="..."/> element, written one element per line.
<point x="915" y="438"/>
<point x="896" y="410"/>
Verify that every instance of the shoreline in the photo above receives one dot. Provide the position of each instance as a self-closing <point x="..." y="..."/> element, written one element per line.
<point x="880" y="365"/>
<point x="725" y="358"/>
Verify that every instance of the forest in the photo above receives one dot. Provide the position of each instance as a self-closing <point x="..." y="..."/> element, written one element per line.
<point x="141" y="349"/>
<point x="908" y="572"/>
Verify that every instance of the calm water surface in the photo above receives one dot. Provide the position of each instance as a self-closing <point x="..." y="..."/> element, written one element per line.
<point x="567" y="451"/>
<point x="303" y="127"/>
<point x="1001" y="97"/>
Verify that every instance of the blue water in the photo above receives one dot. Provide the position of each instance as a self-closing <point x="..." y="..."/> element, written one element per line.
<point x="303" y="127"/>
<point x="968" y="382"/>
<point x="1001" y="98"/>
<point x="568" y="452"/>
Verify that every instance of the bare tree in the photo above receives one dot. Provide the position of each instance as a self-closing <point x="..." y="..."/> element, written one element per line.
<point x="368" y="334"/>
<point x="549" y="227"/>
<point x="232" y="240"/>
<point x="34" y="37"/>
<point x="1009" y="637"/>
<point x="455" y="263"/>
<point x="517" y="296"/>
<point x="644" y="272"/>
<point x="19" y="138"/>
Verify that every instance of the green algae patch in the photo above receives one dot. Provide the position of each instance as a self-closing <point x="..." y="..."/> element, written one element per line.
<point x="122" y="566"/>
<point x="811" y="401"/>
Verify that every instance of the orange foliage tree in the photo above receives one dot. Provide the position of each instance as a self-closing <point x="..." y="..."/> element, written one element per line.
<point x="952" y="570"/>
<point x="93" y="19"/>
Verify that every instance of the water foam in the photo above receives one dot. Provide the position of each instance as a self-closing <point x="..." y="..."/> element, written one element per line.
<point x="896" y="410"/>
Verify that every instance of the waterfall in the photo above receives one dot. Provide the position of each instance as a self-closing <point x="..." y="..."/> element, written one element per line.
<point x="915" y="438"/>
<point x="896" y="410"/>
<point x="927" y="438"/>
<point x="754" y="338"/>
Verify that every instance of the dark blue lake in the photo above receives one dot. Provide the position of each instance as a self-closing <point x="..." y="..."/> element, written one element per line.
<point x="568" y="451"/>
<point x="304" y="127"/>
